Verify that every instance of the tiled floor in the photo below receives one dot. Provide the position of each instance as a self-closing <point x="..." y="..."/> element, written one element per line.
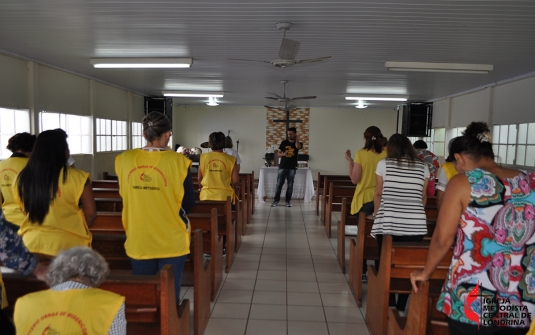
<point x="285" y="280"/>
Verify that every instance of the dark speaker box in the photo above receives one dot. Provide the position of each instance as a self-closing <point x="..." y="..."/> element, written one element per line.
<point x="160" y="105"/>
<point x="416" y="119"/>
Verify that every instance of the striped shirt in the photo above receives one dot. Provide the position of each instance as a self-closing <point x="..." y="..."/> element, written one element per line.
<point x="401" y="211"/>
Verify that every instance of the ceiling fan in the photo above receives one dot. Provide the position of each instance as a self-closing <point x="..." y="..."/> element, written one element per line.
<point x="286" y="100"/>
<point x="287" y="52"/>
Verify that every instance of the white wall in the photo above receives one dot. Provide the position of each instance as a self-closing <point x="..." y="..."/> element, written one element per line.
<point x="14" y="91"/>
<point x="332" y="132"/>
<point x="193" y="125"/>
<point x="514" y="102"/>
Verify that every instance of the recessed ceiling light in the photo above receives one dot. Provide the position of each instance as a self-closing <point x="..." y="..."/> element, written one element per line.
<point x="126" y="63"/>
<point x="439" y="67"/>
<point x="360" y="105"/>
<point x="377" y="98"/>
<point x="212" y="102"/>
<point x="193" y="94"/>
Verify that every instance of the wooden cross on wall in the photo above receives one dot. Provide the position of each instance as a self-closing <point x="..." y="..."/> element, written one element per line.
<point x="288" y="121"/>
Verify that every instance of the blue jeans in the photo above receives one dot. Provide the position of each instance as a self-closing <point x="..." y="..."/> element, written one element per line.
<point x="284" y="174"/>
<point x="151" y="266"/>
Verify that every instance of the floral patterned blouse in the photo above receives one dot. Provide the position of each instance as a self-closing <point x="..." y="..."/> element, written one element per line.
<point x="495" y="248"/>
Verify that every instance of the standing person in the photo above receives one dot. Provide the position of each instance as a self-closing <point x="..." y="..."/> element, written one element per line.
<point x="432" y="163"/>
<point x="157" y="192"/>
<point x="73" y="277"/>
<point x="57" y="199"/>
<point x="218" y="172"/>
<point x="362" y="174"/>
<point x="447" y="171"/>
<point x="490" y="211"/>
<point x="288" y="151"/>
<point x="400" y="196"/>
<point x="229" y="151"/>
<point x="21" y="145"/>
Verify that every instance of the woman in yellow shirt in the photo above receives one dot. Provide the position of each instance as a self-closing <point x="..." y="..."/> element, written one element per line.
<point x="57" y="199"/>
<point x="157" y="192"/>
<point x="21" y="145"/>
<point x="362" y="174"/>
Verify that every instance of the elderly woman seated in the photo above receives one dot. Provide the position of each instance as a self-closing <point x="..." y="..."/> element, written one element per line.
<point x="73" y="304"/>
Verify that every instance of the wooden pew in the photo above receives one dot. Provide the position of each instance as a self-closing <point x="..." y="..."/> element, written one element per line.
<point x="197" y="272"/>
<point x="109" y="204"/>
<point x="110" y="223"/>
<point x="101" y="192"/>
<point x="325" y="190"/>
<point x="243" y="195"/>
<point x="422" y="317"/>
<point x="337" y="191"/>
<point x="104" y="184"/>
<point x="227" y="223"/>
<point x="151" y="306"/>
<point x="398" y="260"/>
<point x="364" y="246"/>
<point x="319" y="186"/>
<point x="249" y="196"/>
<point x="212" y="244"/>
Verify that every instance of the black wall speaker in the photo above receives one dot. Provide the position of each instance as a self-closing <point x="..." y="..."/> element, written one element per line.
<point x="415" y="119"/>
<point x="161" y="105"/>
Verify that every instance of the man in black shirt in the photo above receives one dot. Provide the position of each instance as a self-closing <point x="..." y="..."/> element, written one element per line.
<point x="288" y="166"/>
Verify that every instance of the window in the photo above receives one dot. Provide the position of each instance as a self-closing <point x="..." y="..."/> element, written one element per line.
<point x="514" y="144"/>
<point x="78" y="128"/>
<point x="13" y="122"/>
<point x="111" y="135"/>
<point x="458" y="131"/>
<point x="413" y="139"/>
<point x="437" y="145"/>
<point x="137" y="135"/>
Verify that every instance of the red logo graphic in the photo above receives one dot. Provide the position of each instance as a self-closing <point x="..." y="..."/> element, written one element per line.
<point x="470" y="313"/>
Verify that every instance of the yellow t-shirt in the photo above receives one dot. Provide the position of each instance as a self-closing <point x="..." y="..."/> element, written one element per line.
<point x="366" y="187"/>
<point x="4" y="295"/>
<point x="76" y="311"/>
<point x="9" y="170"/>
<point x="151" y="184"/>
<point x="449" y="168"/>
<point x="216" y="168"/>
<point x="64" y="226"/>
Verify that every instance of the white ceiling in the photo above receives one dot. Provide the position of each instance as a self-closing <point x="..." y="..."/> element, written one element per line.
<point x="360" y="36"/>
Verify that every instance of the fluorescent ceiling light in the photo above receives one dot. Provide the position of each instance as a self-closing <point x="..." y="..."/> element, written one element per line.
<point x="439" y="67"/>
<point x="141" y="62"/>
<point x="212" y="102"/>
<point x="193" y="94"/>
<point x="360" y="105"/>
<point x="377" y="98"/>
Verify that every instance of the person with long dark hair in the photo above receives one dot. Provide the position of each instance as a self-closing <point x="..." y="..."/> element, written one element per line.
<point x="157" y="192"/>
<point x="400" y="197"/>
<point x="21" y="145"/>
<point x="362" y="174"/>
<point x="57" y="199"/>
<point x="489" y="213"/>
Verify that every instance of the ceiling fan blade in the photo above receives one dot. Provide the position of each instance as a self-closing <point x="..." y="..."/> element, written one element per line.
<point x="249" y="60"/>
<point x="289" y="48"/>
<point x="312" y="60"/>
<point x="290" y="107"/>
<point x="271" y="107"/>
<point x="275" y="94"/>
<point x="272" y="98"/>
<point x="301" y="98"/>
